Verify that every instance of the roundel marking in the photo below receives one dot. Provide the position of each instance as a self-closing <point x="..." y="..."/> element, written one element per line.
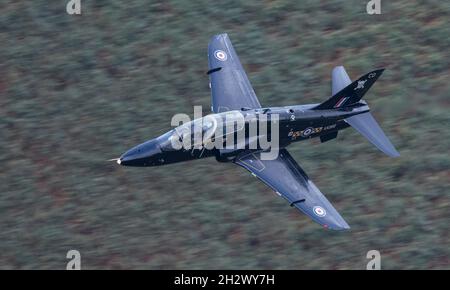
<point x="220" y="55"/>
<point x="307" y="132"/>
<point x="319" y="211"/>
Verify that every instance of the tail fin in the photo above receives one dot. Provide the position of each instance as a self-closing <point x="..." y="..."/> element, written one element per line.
<point x="352" y="93"/>
<point x="346" y="93"/>
<point x="366" y="125"/>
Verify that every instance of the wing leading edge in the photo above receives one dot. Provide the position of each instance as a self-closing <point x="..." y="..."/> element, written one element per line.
<point x="289" y="180"/>
<point x="230" y="87"/>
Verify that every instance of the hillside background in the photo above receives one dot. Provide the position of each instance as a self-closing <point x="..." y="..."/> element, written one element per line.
<point x="78" y="90"/>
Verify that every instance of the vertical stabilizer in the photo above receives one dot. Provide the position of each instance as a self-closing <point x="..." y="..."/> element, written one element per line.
<point x="352" y="93"/>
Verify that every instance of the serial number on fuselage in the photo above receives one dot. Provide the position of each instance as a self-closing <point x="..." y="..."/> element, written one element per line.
<point x="310" y="131"/>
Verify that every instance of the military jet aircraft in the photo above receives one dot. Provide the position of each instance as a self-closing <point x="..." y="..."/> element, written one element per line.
<point x="232" y="95"/>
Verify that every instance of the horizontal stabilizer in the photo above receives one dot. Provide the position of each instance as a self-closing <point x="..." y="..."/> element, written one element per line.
<point x="366" y="125"/>
<point x="339" y="80"/>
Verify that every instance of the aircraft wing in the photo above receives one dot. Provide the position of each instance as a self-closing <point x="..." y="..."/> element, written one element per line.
<point x="230" y="87"/>
<point x="286" y="178"/>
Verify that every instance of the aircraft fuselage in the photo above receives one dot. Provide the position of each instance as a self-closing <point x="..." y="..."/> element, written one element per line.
<point x="295" y="123"/>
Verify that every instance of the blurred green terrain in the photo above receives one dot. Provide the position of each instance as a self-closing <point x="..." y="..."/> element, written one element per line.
<point x="78" y="90"/>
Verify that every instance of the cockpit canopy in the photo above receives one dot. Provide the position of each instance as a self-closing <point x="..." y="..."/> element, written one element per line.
<point x="202" y="130"/>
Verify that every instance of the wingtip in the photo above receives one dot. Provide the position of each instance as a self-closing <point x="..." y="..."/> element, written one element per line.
<point x="217" y="37"/>
<point x="391" y="152"/>
<point x="343" y="227"/>
<point x="395" y="155"/>
<point x="336" y="224"/>
<point x="346" y="227"/>
<point x="223" y="34"/>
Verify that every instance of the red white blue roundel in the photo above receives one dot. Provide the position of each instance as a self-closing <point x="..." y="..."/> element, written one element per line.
<point x="220" y="55"/>
<point x="307" y="132"/>
<point x="319" y="211"/>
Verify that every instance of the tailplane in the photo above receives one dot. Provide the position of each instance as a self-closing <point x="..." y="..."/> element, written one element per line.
<point x="346" y="93"/>
<point x="339" y="80"/>
<point x="366" y="125"/>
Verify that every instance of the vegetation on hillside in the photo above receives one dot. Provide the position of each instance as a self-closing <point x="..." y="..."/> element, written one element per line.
<point x="78" y="90"/>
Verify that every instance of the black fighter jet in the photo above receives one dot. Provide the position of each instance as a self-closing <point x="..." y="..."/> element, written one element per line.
<point x="233" y="97"/>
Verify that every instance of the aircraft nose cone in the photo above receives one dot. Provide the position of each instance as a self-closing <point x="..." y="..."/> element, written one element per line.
<point x="141" y="155"/>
